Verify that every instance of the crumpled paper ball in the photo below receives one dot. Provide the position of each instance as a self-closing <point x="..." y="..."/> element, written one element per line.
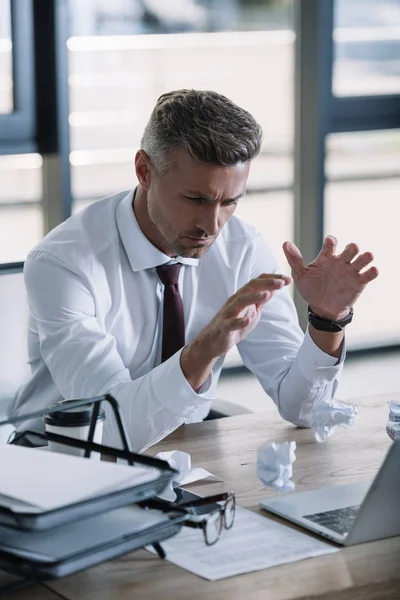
<point x="181" y="462"/>
<point x="274" y="465"/>
<point x="323" y="417"/>
<point x="393" y="425"/>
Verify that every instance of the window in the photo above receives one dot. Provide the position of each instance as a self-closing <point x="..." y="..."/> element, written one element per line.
<point x="6" y="80"/>
<point x="17" y="127"/>
<point x="124" y="55"/>
<point x="367" y="47"/>
<point x="272" y="215"/>
<point x="362" y="205"/>
<point x="21" y="219"/>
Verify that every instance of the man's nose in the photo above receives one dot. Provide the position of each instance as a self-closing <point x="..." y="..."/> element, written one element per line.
<point x="208" y="220"/>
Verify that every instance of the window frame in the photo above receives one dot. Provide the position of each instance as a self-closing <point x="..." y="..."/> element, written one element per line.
<point x="17" y="129"/>
<point x="9" y="268"/>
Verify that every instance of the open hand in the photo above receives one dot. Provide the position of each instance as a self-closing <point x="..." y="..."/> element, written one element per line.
<point x="233" y="322"/>
<point x="240" y="313"/>
<point x="331" y="283"/>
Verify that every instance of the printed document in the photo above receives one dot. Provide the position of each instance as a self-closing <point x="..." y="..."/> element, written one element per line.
<point x="254" y="543"/>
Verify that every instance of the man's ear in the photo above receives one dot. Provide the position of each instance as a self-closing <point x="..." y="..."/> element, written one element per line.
<point x="143" y="168"/>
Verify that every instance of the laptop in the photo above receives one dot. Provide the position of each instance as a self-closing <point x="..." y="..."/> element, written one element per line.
<point x="348" y="514"/>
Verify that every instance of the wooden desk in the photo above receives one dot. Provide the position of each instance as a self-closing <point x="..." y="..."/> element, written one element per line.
<point x="228" y="447"/>
<point x="32" y="592"/>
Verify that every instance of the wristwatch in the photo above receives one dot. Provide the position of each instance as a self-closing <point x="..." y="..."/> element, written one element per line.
<point x="328" y="325"/>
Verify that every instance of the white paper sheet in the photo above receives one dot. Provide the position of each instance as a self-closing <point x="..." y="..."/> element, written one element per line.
<point x="254" y="543"/>
<point x="49" y="480"/>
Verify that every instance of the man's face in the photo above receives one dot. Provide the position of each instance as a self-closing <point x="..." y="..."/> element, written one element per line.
<point x="190" y="203"/>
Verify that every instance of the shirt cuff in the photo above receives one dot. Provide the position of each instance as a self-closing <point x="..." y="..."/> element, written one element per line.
<point x="173" y="390"/>
<point x="315" y="364"/>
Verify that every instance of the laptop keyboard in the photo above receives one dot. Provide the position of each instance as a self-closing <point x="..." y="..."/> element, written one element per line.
<point x="339" y="520"/>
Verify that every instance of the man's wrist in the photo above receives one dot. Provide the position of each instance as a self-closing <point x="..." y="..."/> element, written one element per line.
<point x="329" y="342"/>
<point x="328" y="316"/>
<point x="321" y="323"/>
<point x="200" y="349"/>
<point x="197" y="363"/>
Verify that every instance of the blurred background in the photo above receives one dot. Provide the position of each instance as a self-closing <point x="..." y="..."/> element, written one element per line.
<point x="78" y="79"/>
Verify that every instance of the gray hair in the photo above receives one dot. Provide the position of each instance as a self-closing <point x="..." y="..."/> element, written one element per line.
<point x="211" y="127"/>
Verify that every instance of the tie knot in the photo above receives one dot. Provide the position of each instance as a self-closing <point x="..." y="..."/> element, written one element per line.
<point x="169" y="274"/>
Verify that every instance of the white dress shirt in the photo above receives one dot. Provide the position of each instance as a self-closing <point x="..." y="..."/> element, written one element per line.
<point x="95" y="324"/>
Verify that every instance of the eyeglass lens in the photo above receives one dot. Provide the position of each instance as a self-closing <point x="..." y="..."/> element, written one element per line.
<point x="229" y="513"/>
<point x="213" y="528"/>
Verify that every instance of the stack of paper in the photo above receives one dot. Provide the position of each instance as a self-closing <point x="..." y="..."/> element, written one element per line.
<point x="35" y="481"/>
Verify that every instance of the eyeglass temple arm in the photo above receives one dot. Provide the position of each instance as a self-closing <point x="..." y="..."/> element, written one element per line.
<point x="206" y="500"/>
<point x="194" y="524"/>
<point x="161" y="505"/>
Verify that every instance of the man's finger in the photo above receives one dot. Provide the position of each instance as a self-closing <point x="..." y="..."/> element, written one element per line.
<point x="271" y="276"/>
<point x="244" y="300"/>
<point x="329" y="246"/>
<point x="369" y="275"/>
<point x="363" y="260"/>
<point x="294" y="258"/>
<point x="350" y="252"/>
<point x="264" y="276"/>
<point x="264" y="281"/>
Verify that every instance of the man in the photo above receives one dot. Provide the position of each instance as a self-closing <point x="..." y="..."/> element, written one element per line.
<point x="105" y="318"/>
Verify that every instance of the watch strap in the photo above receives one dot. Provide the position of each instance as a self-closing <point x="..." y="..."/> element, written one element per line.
<point x="326" y="324"/>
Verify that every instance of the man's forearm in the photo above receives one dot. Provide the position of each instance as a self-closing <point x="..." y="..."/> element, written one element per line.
<point x="328" y="342"/>
<point x="196" y="364"/>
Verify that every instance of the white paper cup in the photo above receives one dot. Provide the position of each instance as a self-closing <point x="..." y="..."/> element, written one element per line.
<point x="74" y="423"/>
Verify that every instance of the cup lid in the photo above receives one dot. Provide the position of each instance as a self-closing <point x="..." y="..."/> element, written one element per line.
<point x="72" y="417"/>
<point x="394" y="410"/>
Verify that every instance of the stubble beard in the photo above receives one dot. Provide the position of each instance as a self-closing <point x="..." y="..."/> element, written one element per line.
<point x="186" y="252"/>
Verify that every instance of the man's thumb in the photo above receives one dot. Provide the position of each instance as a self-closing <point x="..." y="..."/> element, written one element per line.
<point x="294" y="258"/>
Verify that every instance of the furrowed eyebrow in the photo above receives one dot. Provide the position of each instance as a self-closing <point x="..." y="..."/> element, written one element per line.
<point x="208" y="199"/>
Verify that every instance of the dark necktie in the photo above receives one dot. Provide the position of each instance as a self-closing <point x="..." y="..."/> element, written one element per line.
<point x="173" y="315"/>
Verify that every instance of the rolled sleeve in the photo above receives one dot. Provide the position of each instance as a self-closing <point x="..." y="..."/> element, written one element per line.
<point x="156" y="404"/>
<point x="317" y="366"/>
<point x="172" y="389"/>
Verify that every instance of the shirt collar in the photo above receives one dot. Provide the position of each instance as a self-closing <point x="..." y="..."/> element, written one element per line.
<point x="142" y="254"/>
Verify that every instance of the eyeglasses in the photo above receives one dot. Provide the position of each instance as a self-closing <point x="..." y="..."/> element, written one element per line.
<point x="212" y="523"/>
<point x="221" y="513"/>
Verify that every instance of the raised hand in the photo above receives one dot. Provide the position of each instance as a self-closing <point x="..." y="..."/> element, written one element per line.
<point x="241" y="313"/>
<point x="331" y="283"/>
<point x="233" y="322"/>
